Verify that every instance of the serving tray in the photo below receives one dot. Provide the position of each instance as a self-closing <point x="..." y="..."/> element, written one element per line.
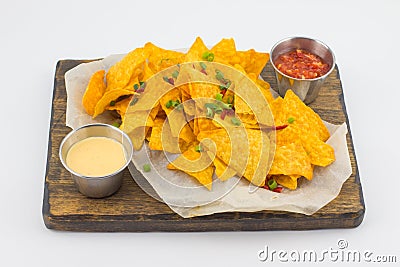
<point x="132" y="210"/>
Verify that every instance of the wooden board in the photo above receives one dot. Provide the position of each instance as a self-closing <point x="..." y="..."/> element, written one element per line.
<point x="131" y="209"/>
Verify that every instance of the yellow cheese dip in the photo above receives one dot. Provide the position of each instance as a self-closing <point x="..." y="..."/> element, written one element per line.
<point x="96" y="156"/>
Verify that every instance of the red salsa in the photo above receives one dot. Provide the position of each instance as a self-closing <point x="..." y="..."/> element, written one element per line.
<point x="301" y="64"/>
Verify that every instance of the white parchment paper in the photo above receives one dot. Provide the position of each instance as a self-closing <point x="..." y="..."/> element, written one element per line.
<point x="189" y="199"/>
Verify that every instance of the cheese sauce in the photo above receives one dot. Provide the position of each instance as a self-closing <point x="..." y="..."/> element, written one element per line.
<point x="96" y="156"/>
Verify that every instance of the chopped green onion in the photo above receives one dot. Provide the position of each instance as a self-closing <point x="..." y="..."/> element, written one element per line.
<point x="134" y="101"/>
<point x="135" y="86"/>
<point x="112" y="103"/>
<point x="224" y="105"/>
<point x="225" y="86"/>
<point x="173" y="104"/>
<point x="203" y="65"/>
<point x="176" y="103"/>
<point x="235" y="121"/>
<point x="179" y="107"/>
<point x="205" y="55"/>
<point x="210" y="105"/>
<point x="165" y="78"/>
<point x="210" y="113"/>
<point x="116" y="124"/>
<point x="141" y="83"/>
<point x="290" y="120"/>
<point x="272" y="184"/>
<point x="230" y="99"/>
<point x="208" y="56"/>
<point x="175" y="74"/>
<point x="218" y="110"/>
<point x="219" y="75"/>
<point x="219" y="97"/>
<point x="146" y="167"/>
<point x="168" y="104"/>
<point x="198" y="148"/>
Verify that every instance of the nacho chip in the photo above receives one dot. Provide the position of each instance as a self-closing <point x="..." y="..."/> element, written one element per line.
<point x="225" y="48"/>
<point x="196" y="51"/>
<point x="106" y="99"/>
<point x="241" y="149"/>
<point x="160" y="59"/>
<point x="137" y="135"/>
<point x="187" y="135"/>
<point x="205" y="125"/>
<point x="136" y="126"/>
<point x="303" y="116"/>
<point x="196" y="164"/>
<point x="291" y="159"/>
<point x="94" y="92"/>
<point x="287" y="181"/>
<point x="119" y="75"/>
<point x="222" y="171"/>
<point x="252" y="61"/>
<point x="263" y="86"/>
<point x="162" y="139"/>
<point x="146" y="73"/>
<point x="121" y="106"/>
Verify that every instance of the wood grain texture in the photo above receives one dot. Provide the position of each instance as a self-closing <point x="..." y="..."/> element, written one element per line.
<point x="131" y="209"/>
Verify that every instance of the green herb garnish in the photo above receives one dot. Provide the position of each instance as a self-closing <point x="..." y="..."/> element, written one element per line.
<point x="235" y="121"/>
<point x="291" y="120"/>
<point x="198" y="148"/>
<point x="203" y="65"/>
<point x="209" y="56"/>
<point x="168" y="104"/>
<point x="112" y="103"/>
<point x="210" y="113"/>
<point x="134" y="101"/>
<point x="230" y="99"/>
<point x="219" y="75"/>
<point x="146" y="167"/>
<point x="272" y="184"/>
<point x="175" y="74"/>
<point x="173" y="104"/>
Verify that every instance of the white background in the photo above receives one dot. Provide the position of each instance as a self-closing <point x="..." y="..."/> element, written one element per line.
<point x="36" y="34"/>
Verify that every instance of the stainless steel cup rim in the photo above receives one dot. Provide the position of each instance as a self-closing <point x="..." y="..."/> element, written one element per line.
<point x="128" y="160"/>
<point x="310" y="39"/>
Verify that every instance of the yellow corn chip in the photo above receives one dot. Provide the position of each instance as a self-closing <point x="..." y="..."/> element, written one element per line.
<point x="252" y="61"/>
<point x="287" y="181"/>
<point x="222" y="171"/>
<point x="160" y="59"/>
<point x="106" y="99"/>
<point x="94" y="92"/>
<point x="196" y="51"/>
<point x="196" y="164"/>
<point x="291" y="159"/>
<point x="119" y="75"/>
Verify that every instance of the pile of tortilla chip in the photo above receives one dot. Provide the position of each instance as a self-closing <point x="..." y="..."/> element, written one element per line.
<point x="301" y="145"/>
<point x="228" y="123"/>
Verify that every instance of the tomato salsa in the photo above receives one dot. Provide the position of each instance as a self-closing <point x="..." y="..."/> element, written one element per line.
<point x="301" y="64"/>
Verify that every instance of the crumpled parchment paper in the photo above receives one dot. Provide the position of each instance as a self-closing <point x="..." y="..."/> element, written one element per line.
<point x="189" y="199"/>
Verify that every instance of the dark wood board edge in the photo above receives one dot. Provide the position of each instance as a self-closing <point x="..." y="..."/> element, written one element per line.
<point x="125" y="223"/>
<point x="46" y="204"/>
<point x="357" y="175"/>
<point x="207" y="224"/>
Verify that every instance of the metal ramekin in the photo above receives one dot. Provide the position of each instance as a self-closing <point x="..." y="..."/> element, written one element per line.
<point x="306" y="89"/>
<point x="102" y="186"/>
